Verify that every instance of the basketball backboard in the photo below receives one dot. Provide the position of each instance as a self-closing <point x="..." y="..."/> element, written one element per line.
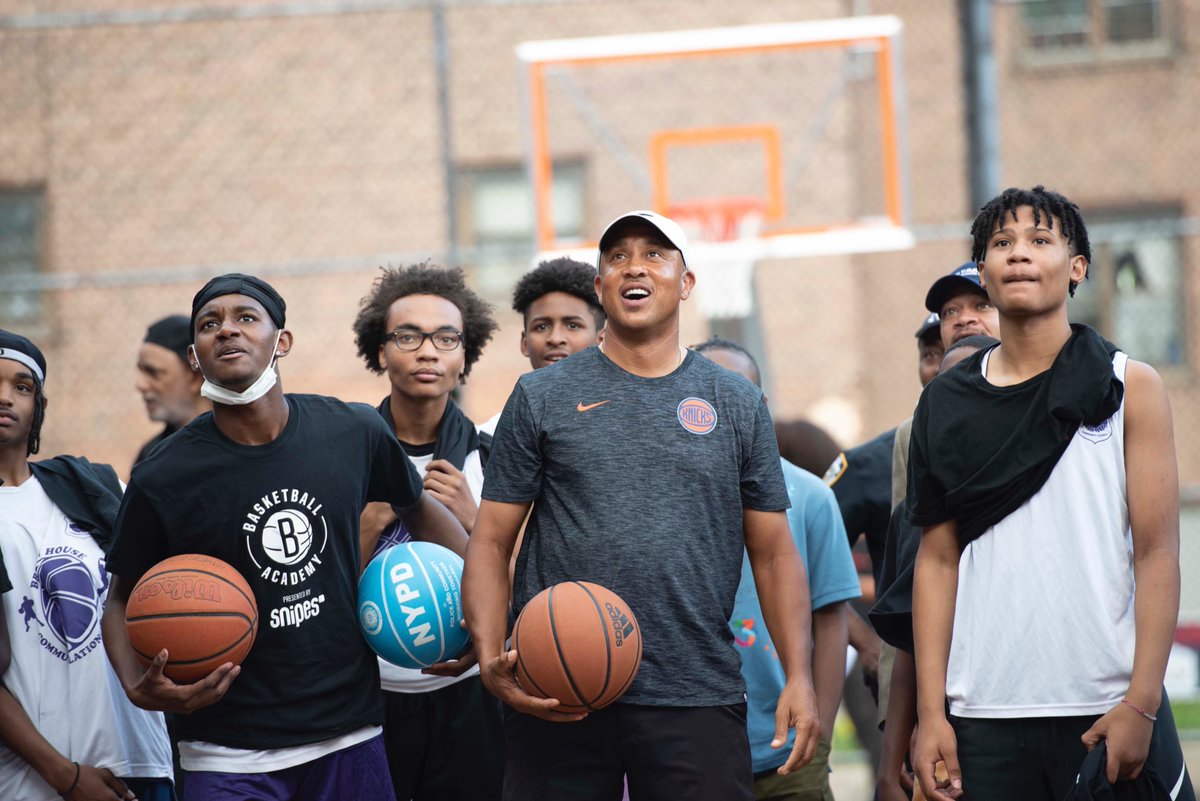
<point x="766" y="141"/>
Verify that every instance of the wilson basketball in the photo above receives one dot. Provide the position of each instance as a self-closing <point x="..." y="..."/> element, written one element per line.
<point x="410" y="604"/>
<point x="199" y="608"/>
<point x="577" y="642"/>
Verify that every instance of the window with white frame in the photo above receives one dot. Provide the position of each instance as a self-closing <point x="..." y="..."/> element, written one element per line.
<point x="20" y="214"/>
<point x="1096" y="27"/>
<point x="498" y="218"/>
<point x="1135" y="293"/>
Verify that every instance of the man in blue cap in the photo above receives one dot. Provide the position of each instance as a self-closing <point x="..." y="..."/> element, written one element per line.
<point x="963" y="305"/>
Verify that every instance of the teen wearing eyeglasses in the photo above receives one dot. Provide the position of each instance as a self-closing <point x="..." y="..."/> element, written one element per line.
<point x="424" y="328"/>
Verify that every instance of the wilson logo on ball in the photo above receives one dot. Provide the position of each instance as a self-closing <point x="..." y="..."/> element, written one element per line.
<point x="179" y="588"/>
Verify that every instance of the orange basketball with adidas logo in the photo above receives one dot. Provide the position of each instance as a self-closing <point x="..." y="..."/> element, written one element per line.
<point x="577" y="642"/>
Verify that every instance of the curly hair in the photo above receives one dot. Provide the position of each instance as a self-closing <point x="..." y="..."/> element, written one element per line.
<point x="559" y="275"/>
<point x="1043" y="202"/>
<point x="421" y="279"/>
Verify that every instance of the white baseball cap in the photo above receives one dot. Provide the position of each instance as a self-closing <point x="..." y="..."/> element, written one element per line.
<point x="665" y="225"/>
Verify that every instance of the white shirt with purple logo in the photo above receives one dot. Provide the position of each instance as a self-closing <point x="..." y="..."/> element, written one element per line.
<point x="59" y="672"/>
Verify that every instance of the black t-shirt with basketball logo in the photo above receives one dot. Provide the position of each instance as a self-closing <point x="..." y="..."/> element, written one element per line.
<point x="286" y="516"/>
<point x="639" y="485"/>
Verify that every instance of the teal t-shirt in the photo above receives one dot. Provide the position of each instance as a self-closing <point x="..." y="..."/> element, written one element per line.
<point x="820" y="537"/>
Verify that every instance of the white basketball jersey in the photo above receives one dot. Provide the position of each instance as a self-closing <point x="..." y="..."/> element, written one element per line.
<point x="1044" y="623"/>
<point x="59" y="672"/>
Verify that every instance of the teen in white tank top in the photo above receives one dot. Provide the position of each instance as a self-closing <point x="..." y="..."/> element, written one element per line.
<point x="1044" y="621"/>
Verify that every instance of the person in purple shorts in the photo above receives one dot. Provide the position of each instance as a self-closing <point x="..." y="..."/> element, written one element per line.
<point x="300" y="718"/>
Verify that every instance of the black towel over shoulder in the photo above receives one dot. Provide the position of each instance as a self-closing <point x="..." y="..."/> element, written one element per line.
<point x="978" y="451"/>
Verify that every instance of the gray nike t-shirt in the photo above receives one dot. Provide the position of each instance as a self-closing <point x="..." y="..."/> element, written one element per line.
<point x="638" y="485"/>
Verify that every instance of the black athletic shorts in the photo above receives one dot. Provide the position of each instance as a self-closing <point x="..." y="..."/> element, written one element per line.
<point x="667" y="753"/>
<point x="1039" y="759"/>
<point x="445" y="745"/>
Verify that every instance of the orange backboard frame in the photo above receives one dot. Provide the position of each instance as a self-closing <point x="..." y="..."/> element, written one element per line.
<point x="882" y="33"/>
<point x="662" y="142"/>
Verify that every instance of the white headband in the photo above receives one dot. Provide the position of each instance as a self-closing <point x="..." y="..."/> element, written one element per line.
<point x="25" y="359"/>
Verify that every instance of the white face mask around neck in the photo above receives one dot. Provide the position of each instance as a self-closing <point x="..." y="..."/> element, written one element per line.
<point x="261" y="386"/>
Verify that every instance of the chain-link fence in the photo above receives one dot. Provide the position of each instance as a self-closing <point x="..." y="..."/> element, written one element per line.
<point x="147" y="146"/>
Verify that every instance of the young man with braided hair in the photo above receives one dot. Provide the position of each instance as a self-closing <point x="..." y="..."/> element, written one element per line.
<point x="66" y="727"/>
<point x="1046" y="586"/>
<point x="424" y="328"/>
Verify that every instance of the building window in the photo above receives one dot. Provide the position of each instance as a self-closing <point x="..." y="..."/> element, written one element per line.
<point x="1097" y="27"/>
<point x="1135" y="293"/>
<point x="20" y="213"/>
<point x="498" y="219"/>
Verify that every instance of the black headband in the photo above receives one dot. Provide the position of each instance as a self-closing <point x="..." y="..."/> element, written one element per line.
<point x="173" y="333"/>
<point x="239" y="284"/>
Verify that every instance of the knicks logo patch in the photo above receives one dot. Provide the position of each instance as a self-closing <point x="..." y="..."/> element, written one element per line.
<point x="1097" y="433"/>
<point x="697" y="415"/>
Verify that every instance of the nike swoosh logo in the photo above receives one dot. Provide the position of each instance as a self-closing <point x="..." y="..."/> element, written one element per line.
<point x="582" y="408"/>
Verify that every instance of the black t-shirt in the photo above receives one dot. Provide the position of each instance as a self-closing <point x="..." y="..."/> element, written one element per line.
<point x="639" y="485"/>
<point x="286" y="516"/>
<point x="861" y="479"/>
<point x="159" y="438"/>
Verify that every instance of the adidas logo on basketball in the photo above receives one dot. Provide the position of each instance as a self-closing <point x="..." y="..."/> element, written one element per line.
<point x="622" y="625"/>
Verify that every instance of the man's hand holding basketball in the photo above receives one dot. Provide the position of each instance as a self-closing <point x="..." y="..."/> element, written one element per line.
<point x="458" y="665"/>
<point x="797" y="709"/>
<point x="155" y="691"/>
<point x="499" y="676"/>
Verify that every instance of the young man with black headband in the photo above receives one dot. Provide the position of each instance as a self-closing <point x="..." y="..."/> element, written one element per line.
<point x="424" y="328"/>
<point x="169" y="386"/>
<point x="274" y="485"/>
<point x="65" y="725"/>
<point x="1046" y="587"/>
<point x="648" y="470"/>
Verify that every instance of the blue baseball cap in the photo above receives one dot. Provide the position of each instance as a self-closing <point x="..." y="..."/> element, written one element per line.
<point x="965" y="278"/>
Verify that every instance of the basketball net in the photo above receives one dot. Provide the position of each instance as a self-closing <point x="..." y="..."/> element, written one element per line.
<point x="723" y="236"/>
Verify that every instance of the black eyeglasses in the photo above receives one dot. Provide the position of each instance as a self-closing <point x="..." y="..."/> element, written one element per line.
<point x="410" y="339"/>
